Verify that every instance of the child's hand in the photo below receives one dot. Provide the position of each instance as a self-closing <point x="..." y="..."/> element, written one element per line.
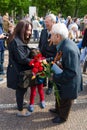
<point x="33" y="77"/>
<point x="44" y="61"/>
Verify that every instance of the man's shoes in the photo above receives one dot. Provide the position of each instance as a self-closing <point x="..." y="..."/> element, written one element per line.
<point x="49" y="91"/>
<point x="53" y="110"/>
<point x="1" y="79"/>
<point x="58" y="120"/>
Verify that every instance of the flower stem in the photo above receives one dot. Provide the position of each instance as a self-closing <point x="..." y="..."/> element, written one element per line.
<point x="56" y="92"/>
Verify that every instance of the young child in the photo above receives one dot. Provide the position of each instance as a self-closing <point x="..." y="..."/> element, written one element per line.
<point x="39" y="85"/>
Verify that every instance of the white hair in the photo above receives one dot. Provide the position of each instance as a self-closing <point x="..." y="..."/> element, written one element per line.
<point x="52" y="16"/>
<point x="60" y="28"/>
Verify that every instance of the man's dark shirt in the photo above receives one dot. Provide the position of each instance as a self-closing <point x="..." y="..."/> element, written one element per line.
<point x="46" y="49"/>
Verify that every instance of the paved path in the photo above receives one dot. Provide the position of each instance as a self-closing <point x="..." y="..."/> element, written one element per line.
<point x="40" y="119"/>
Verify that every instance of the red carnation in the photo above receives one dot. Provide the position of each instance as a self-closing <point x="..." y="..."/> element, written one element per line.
<point x="41" y="68"/>
<point x="35" y="70"/>
<point x="37" y="64"/>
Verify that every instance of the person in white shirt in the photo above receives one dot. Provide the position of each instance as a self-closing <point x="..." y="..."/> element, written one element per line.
<point x="73" y="29"/>
<point x="36" y="26"/>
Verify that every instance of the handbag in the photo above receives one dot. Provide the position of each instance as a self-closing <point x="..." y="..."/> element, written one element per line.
<point x="21" y="79"/>
<point x="25" y="79"/>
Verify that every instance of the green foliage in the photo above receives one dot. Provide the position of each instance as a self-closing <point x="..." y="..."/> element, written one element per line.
<point x="67" y="7"/>
<point x="17" y="6"/>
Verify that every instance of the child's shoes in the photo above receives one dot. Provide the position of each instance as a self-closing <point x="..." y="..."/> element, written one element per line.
<point x="42" y="104"/>
<point x="31" y="108"/>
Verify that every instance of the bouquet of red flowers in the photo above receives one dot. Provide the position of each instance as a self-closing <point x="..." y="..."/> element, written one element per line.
<point x="40" y="67"/>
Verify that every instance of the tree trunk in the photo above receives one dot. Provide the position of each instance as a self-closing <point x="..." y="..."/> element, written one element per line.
<point x="77" y="8"/>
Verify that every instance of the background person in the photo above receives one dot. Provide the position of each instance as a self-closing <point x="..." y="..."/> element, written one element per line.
<point x="69" y="82"/>
<point x="83" y="56"/>
<point x="6" y="22"/>
<point x="36" y="26"/>
<point x="2" y="48"/>
<point x="46" y="49"/>
<point x="2" y="36"/>
<point x="1" y="21"/>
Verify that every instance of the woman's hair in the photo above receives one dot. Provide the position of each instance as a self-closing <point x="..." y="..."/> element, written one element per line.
<point x="20" y="31"/>
<point x="69" y="21"/>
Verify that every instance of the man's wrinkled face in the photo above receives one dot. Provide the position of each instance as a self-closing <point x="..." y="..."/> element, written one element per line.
<point x="55" y="38"/>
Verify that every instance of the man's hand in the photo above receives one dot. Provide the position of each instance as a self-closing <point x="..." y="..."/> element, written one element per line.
<point x="50" y="42"/>
<point x="2" y="36"/>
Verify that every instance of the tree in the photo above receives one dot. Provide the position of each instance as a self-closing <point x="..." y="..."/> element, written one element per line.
<point x="17" y="6"/>
<point x="67" y="7"/>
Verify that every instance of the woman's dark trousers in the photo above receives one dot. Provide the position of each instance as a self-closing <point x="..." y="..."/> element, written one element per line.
<point x="20" y="92"/>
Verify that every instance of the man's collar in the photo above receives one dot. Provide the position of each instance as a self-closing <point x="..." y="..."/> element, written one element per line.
<point x="59" y="44"/>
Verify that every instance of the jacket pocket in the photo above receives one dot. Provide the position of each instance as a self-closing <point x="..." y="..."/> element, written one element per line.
<point x="12" y="77"/>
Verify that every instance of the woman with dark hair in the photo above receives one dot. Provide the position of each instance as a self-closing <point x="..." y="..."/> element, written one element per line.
<point x="19" y="57"/>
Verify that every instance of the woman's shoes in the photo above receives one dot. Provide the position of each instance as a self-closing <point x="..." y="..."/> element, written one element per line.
<point x="23" y="113"/>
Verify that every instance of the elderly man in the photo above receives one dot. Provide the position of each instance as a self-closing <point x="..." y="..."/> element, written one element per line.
<point x="69" y="81"/>
<point x="47" y="50"/>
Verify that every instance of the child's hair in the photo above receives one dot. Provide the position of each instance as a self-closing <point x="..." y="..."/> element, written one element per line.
<point x="34" y="52"/>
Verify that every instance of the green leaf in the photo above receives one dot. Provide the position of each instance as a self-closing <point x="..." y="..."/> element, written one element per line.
<point x="56" y="92"/>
